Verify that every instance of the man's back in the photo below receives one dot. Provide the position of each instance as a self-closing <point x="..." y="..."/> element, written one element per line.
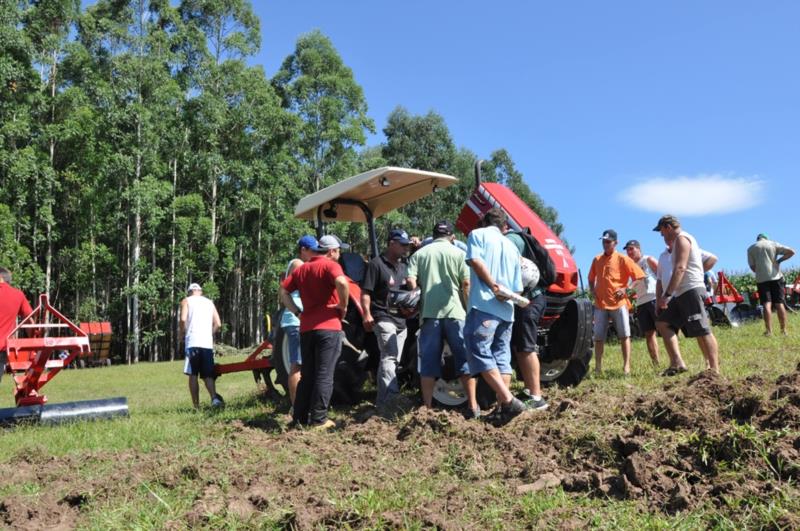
<point x="501" y="258"/>
<point x="440" y="270"/>
<point x="761" y="257"/>
<point x="199" y="322"/>
<point x="316" y="281"/>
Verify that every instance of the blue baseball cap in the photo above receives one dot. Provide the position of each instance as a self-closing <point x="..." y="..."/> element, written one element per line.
<point x="400" y="236"/>
<point x="307" y="242"/>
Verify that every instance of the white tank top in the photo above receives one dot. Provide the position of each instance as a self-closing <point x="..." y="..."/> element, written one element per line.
<point x="646" y="287"/>
<point x="199" y="322"/>
<point x="693" y="278"/>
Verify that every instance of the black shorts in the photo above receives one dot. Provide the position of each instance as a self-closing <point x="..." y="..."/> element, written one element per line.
<point x="525" y="331"/>
<point x="772" y="291"/>
<point x="200" y="362"/>
<point x="687" y="312"/>
<point x="646" y="315"/>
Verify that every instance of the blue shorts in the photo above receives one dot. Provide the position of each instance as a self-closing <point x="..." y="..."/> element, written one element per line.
<point x="488" y="340"/>
<point x="432" y="335"/>
<point x="199" y="361"/>
<point x="293" y="339"/>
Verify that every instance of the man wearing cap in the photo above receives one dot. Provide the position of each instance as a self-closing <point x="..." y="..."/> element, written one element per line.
<point x="290" y="323"/>
<point x="680" y="302"/>
<point x="608" y="277"/>
<point x="441" y="272"/>
<point x="645" y="296"/>
<point x="13" y="305"/>
<point x="495" y="263"/>
<point x="386" y="273"/>
<point x="199" y="321"/>
<point x="764" y="258"/>
<point x="324" y="292"/>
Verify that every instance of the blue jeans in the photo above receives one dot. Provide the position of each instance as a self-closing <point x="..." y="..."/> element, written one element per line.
<point x="488" y="340"/>
<point x="432" y="335"/>
<point x="293" y="337"/>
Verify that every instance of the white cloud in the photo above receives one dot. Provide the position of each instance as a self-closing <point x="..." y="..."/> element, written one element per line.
<point x="695" y="196"/>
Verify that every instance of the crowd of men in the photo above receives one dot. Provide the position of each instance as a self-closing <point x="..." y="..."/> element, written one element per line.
<point x="467" y="300"/>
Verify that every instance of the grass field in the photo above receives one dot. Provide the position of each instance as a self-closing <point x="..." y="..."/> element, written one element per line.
<point x="168" y="466"/>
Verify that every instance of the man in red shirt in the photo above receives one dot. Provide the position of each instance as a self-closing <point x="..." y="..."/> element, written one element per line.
<point x="324" y="292"/>
<point x="13" y="304"/>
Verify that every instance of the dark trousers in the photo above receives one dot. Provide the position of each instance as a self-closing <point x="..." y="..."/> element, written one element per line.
<point x="320" y="350"/>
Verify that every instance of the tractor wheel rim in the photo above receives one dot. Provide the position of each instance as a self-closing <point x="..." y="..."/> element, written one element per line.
<point x="449" y="392"/>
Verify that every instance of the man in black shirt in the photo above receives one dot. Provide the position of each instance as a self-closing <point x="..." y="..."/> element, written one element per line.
<point x="386" y="274"/>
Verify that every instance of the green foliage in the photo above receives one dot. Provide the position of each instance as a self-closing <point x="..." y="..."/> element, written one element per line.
<point x="139" y="152"/>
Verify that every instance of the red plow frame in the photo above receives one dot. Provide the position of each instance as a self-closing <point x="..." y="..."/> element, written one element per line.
<point x="31" y="359"/>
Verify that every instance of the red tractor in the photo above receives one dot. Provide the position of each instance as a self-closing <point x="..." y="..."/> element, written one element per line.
<point x="565" y="330"/>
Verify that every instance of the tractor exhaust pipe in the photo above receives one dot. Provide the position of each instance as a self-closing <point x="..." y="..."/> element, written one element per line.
<point x="50" y="414"/>
<point x="478" y="173"/>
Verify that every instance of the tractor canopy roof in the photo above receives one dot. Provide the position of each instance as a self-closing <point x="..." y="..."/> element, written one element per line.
<point x="381" y="190"/>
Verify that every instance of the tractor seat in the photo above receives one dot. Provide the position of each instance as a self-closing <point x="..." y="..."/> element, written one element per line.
<point x="354" y="266"/>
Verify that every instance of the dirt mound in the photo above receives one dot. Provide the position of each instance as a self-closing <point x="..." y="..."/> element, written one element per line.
<point x="697" y="442"/>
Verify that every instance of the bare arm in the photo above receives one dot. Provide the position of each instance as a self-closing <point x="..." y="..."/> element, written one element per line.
<point x="184" y="317"/>
<point x="680" y="259"/>
<point x="216" y="323"/>
<point x="412" y="283"/>
<point x="785" y="255"/>
<point x="286" y="300"/>
<point x="465" y="292"/>
<point x="652" y="263"/>
<point x="483" y="273"/>
<point x="343" y="290"/>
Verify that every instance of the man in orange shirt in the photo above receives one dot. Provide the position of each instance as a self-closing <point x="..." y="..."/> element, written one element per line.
<point x="608" y="278"/>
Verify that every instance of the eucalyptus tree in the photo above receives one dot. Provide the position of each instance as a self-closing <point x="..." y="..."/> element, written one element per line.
<point x="19" y="96"/>
<point x="424" y="143"/>
<point x="225" y="33"/>
<point x="47" y="23"/>
<point x="135" y="88"/>
<point x="314" y="83"/>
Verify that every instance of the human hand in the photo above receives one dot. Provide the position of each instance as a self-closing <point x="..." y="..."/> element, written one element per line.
<point x="369" y="323"/>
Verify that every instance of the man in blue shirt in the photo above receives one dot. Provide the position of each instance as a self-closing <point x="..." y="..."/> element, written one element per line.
<point x="495" y="264"/>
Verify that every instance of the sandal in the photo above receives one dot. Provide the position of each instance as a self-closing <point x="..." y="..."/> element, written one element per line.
<point x="673" y="371"/>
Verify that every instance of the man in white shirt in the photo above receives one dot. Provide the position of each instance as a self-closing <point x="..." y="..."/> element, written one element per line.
<point x="645" y="296"/>
<point x="199" y="321"/>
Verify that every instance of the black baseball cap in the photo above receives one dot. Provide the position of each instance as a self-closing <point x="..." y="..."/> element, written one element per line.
<point x="400" y="236"/>
<point x="609" y="234"/>
<point x="443" y="228"/>
<point x="632" y="243"/>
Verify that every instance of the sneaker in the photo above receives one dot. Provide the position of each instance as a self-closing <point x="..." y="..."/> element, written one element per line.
<point x="472" y="414"/>
<point x="532" y="403"/>
<point x="511" y="410"/>
<point x="674" y="371"/>
<point x="217" y="402"/>
<point x="325" y="426"/>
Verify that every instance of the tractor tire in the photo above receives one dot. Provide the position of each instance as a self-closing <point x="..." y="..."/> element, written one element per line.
<point x="280" y="359"/>
<point x="718" y="317"/>
<point x="349" y="377"/>
<point x="566" y="359"/>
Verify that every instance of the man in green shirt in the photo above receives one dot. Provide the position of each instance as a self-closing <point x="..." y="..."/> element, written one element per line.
<point x="441" y="272"/>
<point x="764" y="258"/>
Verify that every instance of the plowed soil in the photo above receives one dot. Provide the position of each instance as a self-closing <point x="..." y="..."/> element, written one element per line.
<point x="700" y="442"/>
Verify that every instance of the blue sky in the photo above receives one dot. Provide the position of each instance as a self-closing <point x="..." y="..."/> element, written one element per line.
<point x="615" y="112"/>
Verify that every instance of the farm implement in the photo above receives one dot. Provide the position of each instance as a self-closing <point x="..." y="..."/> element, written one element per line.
<point x="44" y="343"/>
